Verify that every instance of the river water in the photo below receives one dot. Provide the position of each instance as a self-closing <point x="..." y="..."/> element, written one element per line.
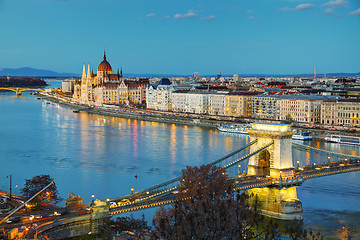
<point x="91" y="154"/>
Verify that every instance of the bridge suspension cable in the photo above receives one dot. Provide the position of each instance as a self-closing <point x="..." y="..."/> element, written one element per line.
<point x="171" y="181"/>
<point x="306" y="147"/>
<point x="249" y="155"/>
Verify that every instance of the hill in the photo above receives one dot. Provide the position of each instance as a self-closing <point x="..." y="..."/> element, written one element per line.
<point x="32" y="72"/>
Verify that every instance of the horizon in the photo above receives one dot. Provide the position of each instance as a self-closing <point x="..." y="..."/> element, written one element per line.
<point x="180" y="75"/>
<point x="278" y="37"/>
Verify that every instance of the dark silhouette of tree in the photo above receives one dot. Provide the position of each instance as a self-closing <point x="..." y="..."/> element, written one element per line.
<point x="137" y="228"/>
<point x="206" y="207"/>
<point x="36" y="184"/>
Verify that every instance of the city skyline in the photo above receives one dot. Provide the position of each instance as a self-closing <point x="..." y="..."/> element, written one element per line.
<point x="271" y="37"/>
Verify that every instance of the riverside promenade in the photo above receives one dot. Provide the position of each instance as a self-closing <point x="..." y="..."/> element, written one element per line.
<point x="202" y="120"/>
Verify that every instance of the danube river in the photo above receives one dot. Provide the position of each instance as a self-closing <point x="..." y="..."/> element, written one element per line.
<point x="90" y="154"/>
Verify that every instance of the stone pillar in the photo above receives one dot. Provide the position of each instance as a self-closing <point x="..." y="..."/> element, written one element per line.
<point x="277" y="203"/>
<point x="74" y="201"/>
<point x="100" y="215"/>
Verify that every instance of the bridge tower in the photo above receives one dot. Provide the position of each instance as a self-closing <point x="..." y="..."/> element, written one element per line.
<point x="18" y="92"/>
<point x="274" y="162"/>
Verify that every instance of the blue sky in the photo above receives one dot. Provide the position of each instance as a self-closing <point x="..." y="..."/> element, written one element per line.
<point x="182" y="36"/>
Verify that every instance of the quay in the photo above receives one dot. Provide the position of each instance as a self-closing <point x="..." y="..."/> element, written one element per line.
<point x="183" y="118"/>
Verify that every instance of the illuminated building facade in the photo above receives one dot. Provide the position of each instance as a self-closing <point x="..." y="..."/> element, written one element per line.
<point x="105" y="87"/>
<point x="341" y="112"/>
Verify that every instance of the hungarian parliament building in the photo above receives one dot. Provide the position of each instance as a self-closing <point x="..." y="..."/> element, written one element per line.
<point x="105" y="87"/>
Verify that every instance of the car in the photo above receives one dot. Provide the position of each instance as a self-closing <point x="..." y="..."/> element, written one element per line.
<point x="13" y="220"/>
<point x="64" y="212"/>
<point x="56" y="214"/>
<point x="124" y="201"/>
<point x="113" y="204"/>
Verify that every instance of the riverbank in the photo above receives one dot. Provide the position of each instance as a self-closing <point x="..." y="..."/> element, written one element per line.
<point x="185" y="118"/>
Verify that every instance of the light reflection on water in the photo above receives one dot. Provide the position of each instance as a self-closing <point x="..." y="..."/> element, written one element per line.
<point x="90" y="154"/>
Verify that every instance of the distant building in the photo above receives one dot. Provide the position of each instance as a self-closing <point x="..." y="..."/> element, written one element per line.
<point x="159" y="97"/>
<point x="300" y="108"/>
<point x="217" y="103"/>
<point x="341" y="112"/>
<point x="236" y="78"/>
<point x="264" y="106"/>
<point x="67" y="86"/>
<point x="238" y="104"/>
<point x="190" y="101"/>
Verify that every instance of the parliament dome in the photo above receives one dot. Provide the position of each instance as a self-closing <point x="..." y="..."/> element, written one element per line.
<point x="105" y="66"/>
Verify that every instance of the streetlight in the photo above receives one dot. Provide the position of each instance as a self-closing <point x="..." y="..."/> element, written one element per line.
<point x="31" y="219"/>
<point x="132" y="190"/>
<point x="298" y="163"/>
<point x="10" y="185"/>
<point x="92" y="201"/>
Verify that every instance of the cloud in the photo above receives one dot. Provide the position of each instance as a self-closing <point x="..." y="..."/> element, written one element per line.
<point x="329" y="11"/>
<point x="190" y="14"/>
<point x="300" y="7"/>
<point x="167" y="17"/>
<point x="336" y="4"/>
<point x="254" y="17"/>
<point x="151" y="15"/>
<point x="355" y="13"/>
<point x="209" y="18"/>
<point x="250" y="11"/>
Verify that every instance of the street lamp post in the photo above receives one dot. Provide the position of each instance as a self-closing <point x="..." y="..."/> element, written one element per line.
<point x="132" y="190"/>
<point x="10" y="185"/>
<point x="92" y="201"/>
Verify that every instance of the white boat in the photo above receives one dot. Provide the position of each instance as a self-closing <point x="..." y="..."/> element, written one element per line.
<point x="343" y="139"/>
<point x="233" y="129"/>
<point x="303" y="136"/>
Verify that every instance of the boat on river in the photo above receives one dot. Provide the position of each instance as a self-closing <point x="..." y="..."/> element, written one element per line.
<point x="236" y="128"/>
<point x="303" y="136"/>
<point x="351" y="140"/>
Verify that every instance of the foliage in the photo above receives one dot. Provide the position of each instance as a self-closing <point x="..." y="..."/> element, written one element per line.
<point x="35" y="185"/>
<point x="22" y="82"/>
<point x="129" y="224"/>
<point x="137" y="227"/>
<point x="207" y="208"/>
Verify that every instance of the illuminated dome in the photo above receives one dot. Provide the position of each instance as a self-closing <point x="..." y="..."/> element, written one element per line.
<point x="105" y="66"/>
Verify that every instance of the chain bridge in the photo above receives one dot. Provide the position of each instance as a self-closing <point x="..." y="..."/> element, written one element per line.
<point x="270" y="165"/>
<point x="18" y="90"/>
<point x="271" y="175"/>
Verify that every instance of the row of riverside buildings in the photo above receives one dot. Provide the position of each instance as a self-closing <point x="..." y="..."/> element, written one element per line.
<point x="105" y="87"/>
<point x="311" y="109"/>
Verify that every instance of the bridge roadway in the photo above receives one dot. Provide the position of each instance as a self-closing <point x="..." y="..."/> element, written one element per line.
<point x="18" y="90"/>
<point x="243" y="183"/>
<point x="158" y="190"/>
<point x="161" y="189"/>
<point x="159" y="195"/>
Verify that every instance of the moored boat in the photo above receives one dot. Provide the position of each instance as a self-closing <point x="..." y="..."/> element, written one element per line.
<point x="303" y="136"/>
<point x="234" y="129"/>
<point x="343" y="139"/>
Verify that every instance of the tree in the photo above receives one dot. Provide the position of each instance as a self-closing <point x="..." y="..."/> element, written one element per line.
<point x="206" y="207"/>
<point x="35" y="185"/>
